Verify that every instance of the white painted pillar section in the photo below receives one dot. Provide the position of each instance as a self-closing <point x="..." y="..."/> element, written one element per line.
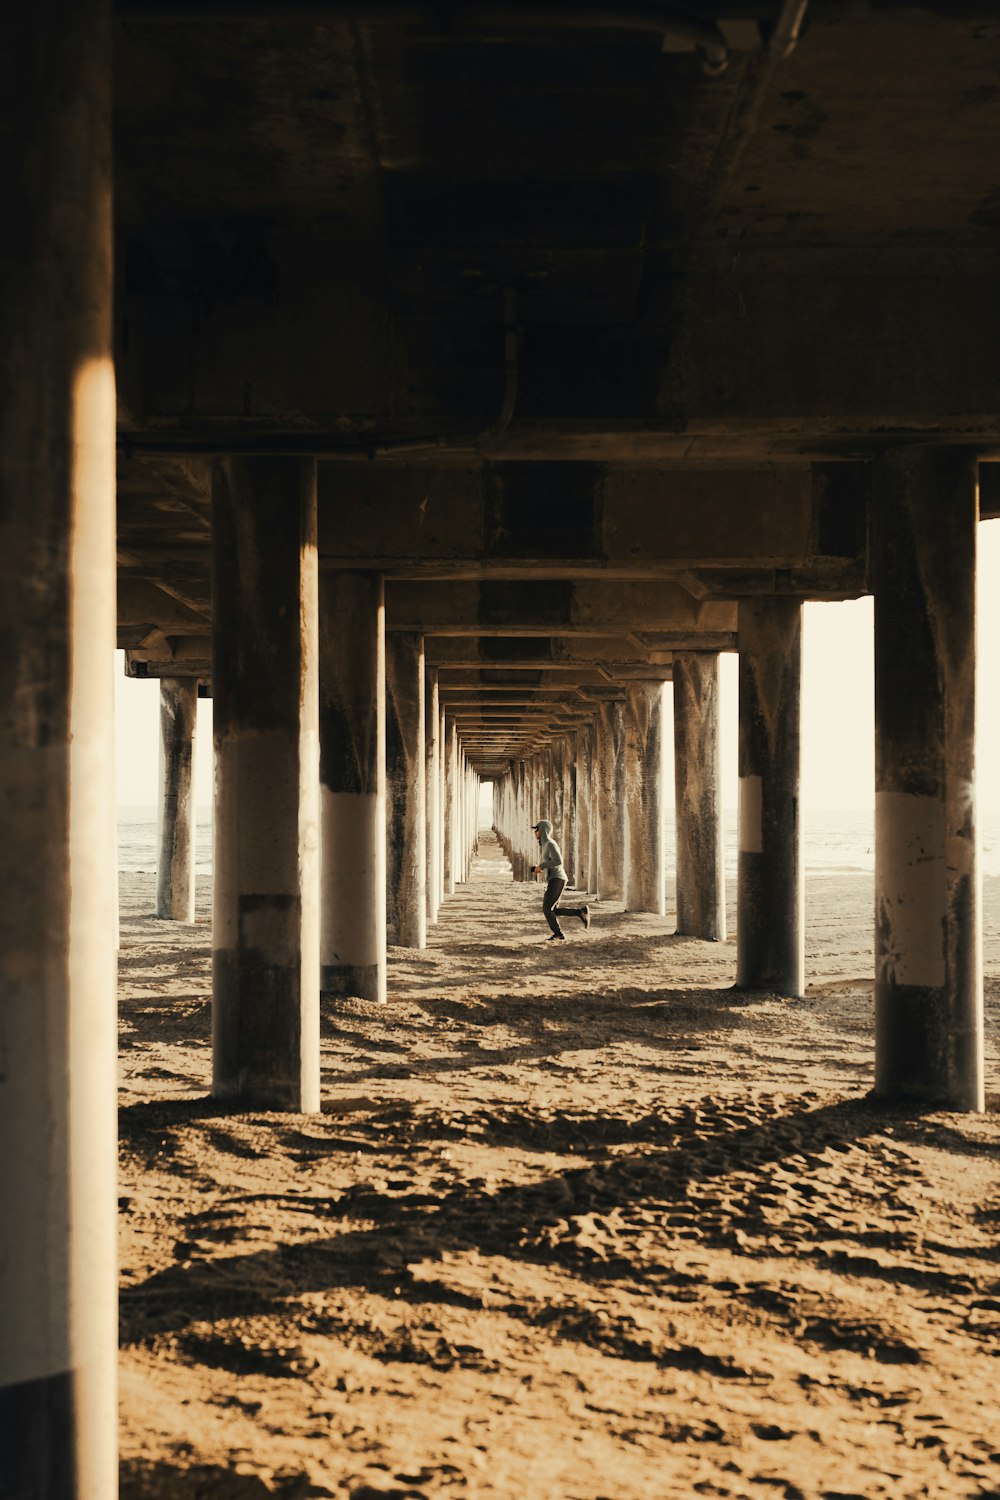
<point x="58" y="1258"/>
<point x="353" y="784"/>
<point x="175" y="860"/>
<point x="433" y="747"/>
<point x="265" y="666"/>
<point x="928" y="953"/>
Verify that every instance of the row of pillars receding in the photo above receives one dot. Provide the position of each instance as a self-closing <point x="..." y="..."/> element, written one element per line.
<point x="57" y="865"/>
<point x="602" y="787"/>
<point x="927" y="942"/>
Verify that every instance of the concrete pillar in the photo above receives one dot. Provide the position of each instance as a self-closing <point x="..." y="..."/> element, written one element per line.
<point x="769" y="925"/>
<point x="450" y="808"/>
<point x="645" y="799"/>
<point x="57" y="855"/>
<point x="514" y="831"/>
<point x="175" y="861"/>
<point x="570" y="825"/>
<point x="928" y="961"/>
<point x="406" y="771"/>
<point x="432" y="707"/>
<point x="463" y="813"/>
<point x="555" y="800"/>
<point x="609" y="765"/>
<point x="443" y="802"/>
<point x="584" y="768"/>
<point x="592" y="806"/>
<point x="701" y="885"/>
<point x="265" y="1027"/>
<point x="352" y="784"/>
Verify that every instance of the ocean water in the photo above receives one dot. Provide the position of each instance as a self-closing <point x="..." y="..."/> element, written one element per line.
<point x="834" y="841"/>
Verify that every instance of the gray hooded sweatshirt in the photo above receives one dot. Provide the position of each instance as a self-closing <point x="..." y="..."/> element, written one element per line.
<point x="549" y="853"/>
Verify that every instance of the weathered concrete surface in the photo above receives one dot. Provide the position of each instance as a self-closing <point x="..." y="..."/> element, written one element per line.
<point x="57" y="854"/>
<point x="584" y="830"/>
<point x="451" y="831"/>
<point x="432" y="742"/>
<point x="405" y="758"/>
<point x="649" y="339"/>
<point x="609" y="795"/>
<point x="265" y="935"/>
<point x="176" y="855"/>
<point x="531" y="607"/>
<point x="555" y="795"/>
<point x="352" y="784"/>
<point x="769" y="924"/>
<point x="645" y="801"/>
<point x="571" y="827"/>
<point x="928" y="970"/>
<point x="701" y="885"/>
<point x="454" y="522"/>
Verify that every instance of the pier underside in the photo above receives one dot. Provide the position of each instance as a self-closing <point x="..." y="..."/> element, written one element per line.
<point x="427" y="384"/>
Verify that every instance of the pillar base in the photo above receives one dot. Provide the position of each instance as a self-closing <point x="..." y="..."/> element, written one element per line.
<point x="361" y="981"/>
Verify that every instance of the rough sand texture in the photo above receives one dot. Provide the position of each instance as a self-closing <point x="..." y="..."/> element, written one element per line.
<point x="576" y="1221"/>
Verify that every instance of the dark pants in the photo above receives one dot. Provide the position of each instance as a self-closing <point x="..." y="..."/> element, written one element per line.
<point x="550" y="905"/>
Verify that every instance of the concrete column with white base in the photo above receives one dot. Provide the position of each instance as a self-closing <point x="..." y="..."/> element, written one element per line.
<point x="770" y="945"/>
<point x="450" y="808"/>
<point x="406" y="770"/>
<point x="701" y="885"/>
<point x="265" y="663"/>
<point x="645" y="801"/>
<point x="443" y="802"/>
<point x="58" y="1339"/>
<point x="928" y="960"/>
<point x="175" y="859"/>
<point x="432" y="710"/>
<point x="352" y="784"/>
<point x="585" y="761"/>
<point x="609" y="780"/>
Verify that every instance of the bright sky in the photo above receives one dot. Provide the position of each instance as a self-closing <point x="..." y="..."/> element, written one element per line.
<point x="838" y="753"/>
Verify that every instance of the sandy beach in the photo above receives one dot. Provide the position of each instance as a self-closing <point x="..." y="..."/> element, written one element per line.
<point x="577" y="1222"/>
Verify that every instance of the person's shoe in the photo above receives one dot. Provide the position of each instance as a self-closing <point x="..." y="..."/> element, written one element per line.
<point x="584" y="915"/>
<point x="558" y="937"/>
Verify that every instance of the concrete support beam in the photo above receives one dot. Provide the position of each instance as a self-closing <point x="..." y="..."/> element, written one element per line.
<point x="928" y="964"/>
<point x="175" y="860"/>
<point x="353" y="785"/>
<point x="405" y="753"/>
<point x="609" y="793"/>
<point x="461" y="522"/>
<point x="769" y="925"/>
<point x="701" y="885"/>
<point x="265" y="1029"/>
<point x="546" y="652"/>
<point x="556" y="607"/>
<point x="645" y="801"/>
<point x="57" y="855"/>
<point x="432" y="710"/>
